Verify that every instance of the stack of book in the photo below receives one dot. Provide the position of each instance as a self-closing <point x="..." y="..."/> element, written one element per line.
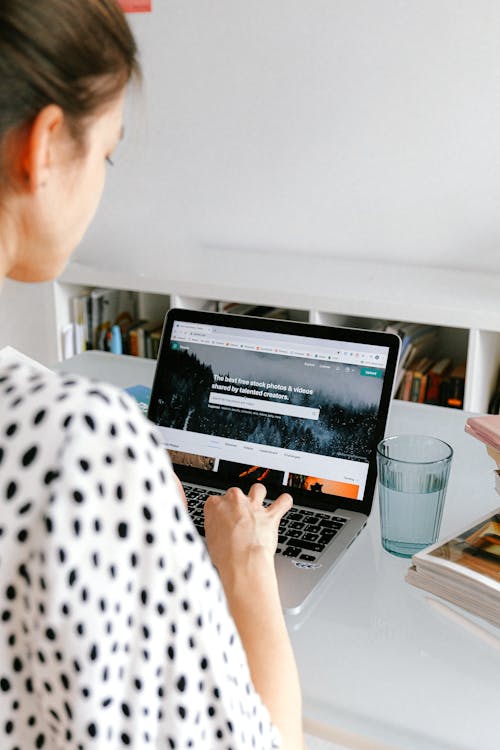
<point x="107" y="319"/>
<point x="487" y="430"/>
<point x="422" y="377"/>
<point x="465" y="568"/>
<point x="429" y="381"/>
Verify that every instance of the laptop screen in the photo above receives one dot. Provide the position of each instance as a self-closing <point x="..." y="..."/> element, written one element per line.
<point x="294" y="411"/>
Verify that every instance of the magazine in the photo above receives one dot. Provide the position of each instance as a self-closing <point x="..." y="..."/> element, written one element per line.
<point x="464" y="568"/>
<point x="142" y="394"/>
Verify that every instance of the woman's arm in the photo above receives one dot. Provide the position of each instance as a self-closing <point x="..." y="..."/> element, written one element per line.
<point x="242" y="536"/>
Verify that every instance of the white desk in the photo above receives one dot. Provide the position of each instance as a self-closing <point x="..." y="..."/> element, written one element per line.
<point x="376" y="660"/>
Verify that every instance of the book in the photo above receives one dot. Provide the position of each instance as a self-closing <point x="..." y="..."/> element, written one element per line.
<point x="130" y="338"/>
<point x="464" y="569"/>
<point x="400" y="375"/>
<point x="155" y="341"/>
<point x="139" y="342"/>
<point x="68" y="341"/>
<point x="105" y="308"/>
<point x="417" y="335"/>
<point x="80" y="307"/>
<point x="278" y="313"/>
<point x="454" y="387"/>
<point x="417" y="339"/>
<point x="238" y="308"/>
<point x="486" y="429"/>
<point x="405" y="387"/>
<point x="414" y="380"/>
<point x="419" y="379"/>
<point x="435" y="378"/>
<point x="261" y="311"/>
<point x="152" y="336"/>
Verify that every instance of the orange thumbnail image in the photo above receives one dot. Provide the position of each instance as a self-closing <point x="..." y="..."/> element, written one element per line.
<point x="191" y="459"/>
<point x="236" y="473"/>
<point x="326" y="486"/>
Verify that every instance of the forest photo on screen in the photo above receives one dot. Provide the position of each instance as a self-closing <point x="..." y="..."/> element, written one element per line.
<point x="346" y="397"/>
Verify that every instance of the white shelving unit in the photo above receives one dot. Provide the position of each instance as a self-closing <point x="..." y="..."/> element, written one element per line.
<point x="464" y="305"/>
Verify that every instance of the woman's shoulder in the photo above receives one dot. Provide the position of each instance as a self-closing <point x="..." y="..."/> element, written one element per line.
<point x="48" y="412"/>
<point x="68" y="443"/>
<point x="24" y="388"/>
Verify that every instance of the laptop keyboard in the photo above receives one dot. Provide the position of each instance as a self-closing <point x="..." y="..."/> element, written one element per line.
<point x="303" y="534"/>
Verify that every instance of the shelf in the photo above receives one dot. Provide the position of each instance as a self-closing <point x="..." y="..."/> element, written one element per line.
<point x="457" y="299"/>
<point x="463" y="305"/>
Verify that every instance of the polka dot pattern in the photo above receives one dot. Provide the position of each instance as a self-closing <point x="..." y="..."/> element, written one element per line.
<point x="114" y="630"/>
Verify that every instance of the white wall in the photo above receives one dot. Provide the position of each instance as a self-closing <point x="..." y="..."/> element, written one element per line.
<point x="352" y="128"/>
<point x="346" y="128"/>
<point x="27" y="320"/>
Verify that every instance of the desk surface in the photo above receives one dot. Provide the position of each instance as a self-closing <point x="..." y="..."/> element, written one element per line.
<point x="375" y="659"/>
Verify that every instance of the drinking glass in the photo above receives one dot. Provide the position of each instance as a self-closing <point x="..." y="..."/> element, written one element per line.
<point x="413" y="474"/>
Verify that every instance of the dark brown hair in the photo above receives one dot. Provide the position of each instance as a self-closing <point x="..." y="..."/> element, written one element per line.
<point x="78" y="54"/>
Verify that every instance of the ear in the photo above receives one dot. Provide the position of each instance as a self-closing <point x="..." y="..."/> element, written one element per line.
<point x="41" y="146"/>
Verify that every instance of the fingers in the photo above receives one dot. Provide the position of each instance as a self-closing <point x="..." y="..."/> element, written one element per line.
<point x="276" y="509"/>
<point x="280" y="506"/>
<point x="213" y="501"/>
<point x="256" y="496"/>
<point x="234" y="496"/>
<point x="257" y="493"/>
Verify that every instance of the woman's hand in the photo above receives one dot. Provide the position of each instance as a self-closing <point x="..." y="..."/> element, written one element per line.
<point x="240" y="529"/>
<point x="242" y="535"/>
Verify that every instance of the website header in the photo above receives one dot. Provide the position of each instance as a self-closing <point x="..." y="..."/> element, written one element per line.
<point x="284" y="344"/>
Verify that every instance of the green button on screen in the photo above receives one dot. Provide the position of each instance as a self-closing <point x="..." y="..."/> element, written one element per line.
<point x="372" y="372"/>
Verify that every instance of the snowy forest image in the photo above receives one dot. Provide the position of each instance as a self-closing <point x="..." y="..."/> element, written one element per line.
<point x="348" y="401"/>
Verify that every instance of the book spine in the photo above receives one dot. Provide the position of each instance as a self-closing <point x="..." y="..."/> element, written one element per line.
<point x="415" y="386"/>
<point x="141" y="343"/>
<point x="80" y="324"/>
<point x="406" y="386"/>
<point x="133" y="343"/>
<point x="155" y="344"/>
<point x="423" y="389"/>
<point x="455" y="393"/>
<point x="90" y="324"/>
<point x="96" y="305"/>
<point x="148" y="346"/>
<point x="434" y="381"/>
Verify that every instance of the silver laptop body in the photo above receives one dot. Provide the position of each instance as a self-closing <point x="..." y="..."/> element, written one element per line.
<point x="296" y="406"/>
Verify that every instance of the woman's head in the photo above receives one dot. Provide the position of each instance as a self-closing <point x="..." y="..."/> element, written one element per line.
<point x="64" y="65"/>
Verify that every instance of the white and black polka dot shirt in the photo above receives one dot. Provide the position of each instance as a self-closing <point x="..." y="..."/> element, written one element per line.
<point x="114" y="630"/>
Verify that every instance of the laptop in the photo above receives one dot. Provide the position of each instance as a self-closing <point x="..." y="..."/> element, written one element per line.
<point x="296" y="406"/>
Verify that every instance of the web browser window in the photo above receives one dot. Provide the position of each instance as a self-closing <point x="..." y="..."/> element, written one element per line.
<point x="284" y="409"/>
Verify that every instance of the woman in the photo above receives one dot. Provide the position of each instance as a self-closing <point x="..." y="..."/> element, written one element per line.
<point x="115" y="629"/>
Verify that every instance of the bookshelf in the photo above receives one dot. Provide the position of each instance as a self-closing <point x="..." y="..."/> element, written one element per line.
<point x="463" y="305"/>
